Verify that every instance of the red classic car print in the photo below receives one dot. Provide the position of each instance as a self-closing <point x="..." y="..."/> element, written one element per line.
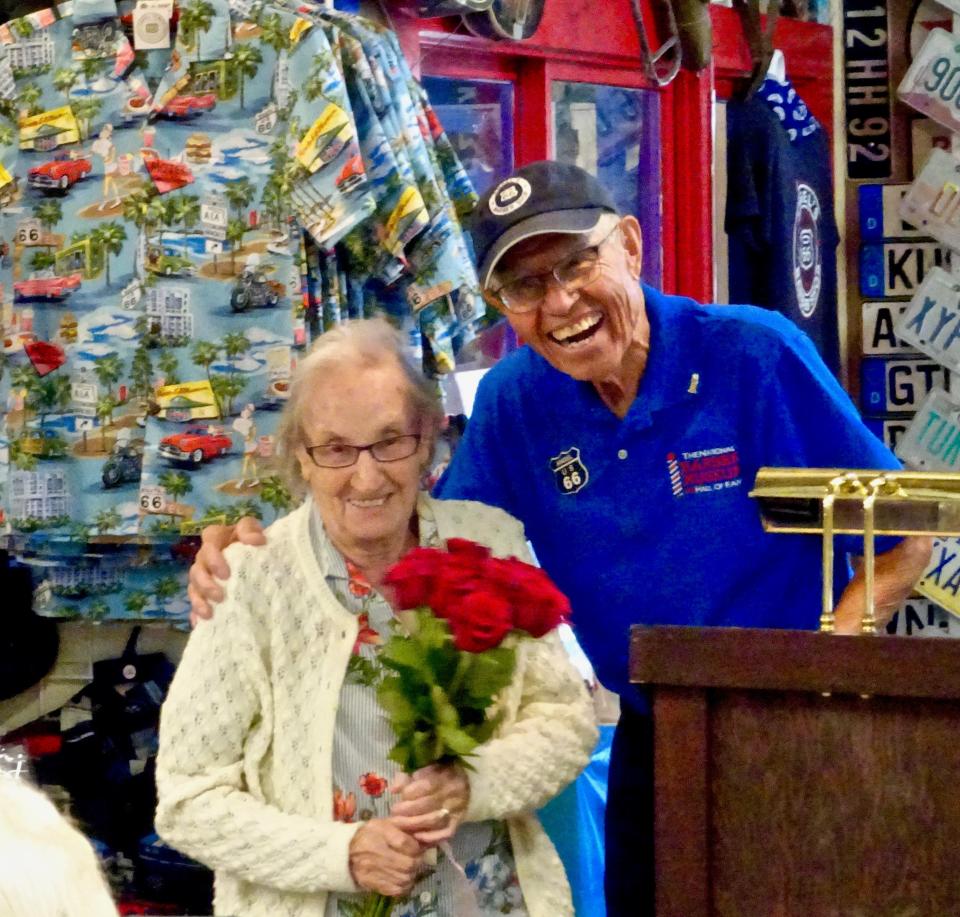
<point x="187" y="106"/>
<point x="194" y="445"/>
<point x="54" y="288"/>
<point x="351" y="175"/>
<point x="61" y="173"/>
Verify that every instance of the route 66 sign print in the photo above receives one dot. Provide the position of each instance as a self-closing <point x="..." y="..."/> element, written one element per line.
<point x="569" y="472"/>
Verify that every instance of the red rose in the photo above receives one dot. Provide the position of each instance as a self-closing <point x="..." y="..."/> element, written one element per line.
<point x="467" y="548"/>
<point x="483" y="618"/>
<point x="411" y="579"/>
<point x="459" y="576"/>
<point x="373" y="784"/>
<point x="538" y="606"/>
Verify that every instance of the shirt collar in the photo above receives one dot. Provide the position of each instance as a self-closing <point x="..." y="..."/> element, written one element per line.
<point x="671" y="374"/>
<point x="334" y="563"/>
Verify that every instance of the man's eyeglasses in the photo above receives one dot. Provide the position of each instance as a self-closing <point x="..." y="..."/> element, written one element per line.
<point x="574" y="272"/>
<point x="343" y="455"/>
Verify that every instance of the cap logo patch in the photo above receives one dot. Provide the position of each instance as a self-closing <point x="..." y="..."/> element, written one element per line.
<point x="509" y="195"/>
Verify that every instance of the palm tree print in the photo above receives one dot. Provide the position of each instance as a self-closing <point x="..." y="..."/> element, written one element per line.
<point x="110" y="238"/>
<point x="246" y="59"/>
<point x="274" y="493"/>
<point x="195" y="18"/>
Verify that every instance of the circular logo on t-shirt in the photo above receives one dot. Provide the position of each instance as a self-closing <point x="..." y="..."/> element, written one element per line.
<point x="807" y="255"/>
<point x="509" y="195"/>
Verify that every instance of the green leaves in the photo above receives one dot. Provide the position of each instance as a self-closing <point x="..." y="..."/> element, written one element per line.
<point x="436" y="696"/>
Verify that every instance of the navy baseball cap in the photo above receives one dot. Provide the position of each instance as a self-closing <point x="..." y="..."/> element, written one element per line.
<point x="541" y="197"/>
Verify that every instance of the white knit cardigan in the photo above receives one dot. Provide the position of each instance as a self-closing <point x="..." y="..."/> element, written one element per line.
<point x="246" y="734"/>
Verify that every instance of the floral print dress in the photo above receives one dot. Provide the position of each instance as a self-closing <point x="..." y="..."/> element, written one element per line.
<point x="362" y="771"/>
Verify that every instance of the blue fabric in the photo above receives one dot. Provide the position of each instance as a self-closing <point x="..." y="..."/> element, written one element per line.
<point x="726" y="390"/>
<point x="574" y="823"/>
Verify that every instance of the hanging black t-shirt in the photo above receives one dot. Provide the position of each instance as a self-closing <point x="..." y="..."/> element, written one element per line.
<point x="780" y="219"/>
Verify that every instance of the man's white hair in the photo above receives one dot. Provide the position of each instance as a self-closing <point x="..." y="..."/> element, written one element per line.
<point x="47" y="867"/>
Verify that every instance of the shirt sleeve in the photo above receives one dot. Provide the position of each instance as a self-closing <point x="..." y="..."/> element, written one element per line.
<point x="206" y="807"/>
<point x="808" y="421"/>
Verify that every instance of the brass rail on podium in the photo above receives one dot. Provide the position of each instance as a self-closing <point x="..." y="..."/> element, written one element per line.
<point x="835" y="501"/>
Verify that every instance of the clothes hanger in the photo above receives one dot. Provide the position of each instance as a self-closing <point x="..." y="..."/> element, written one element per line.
<point x="778" y="66"/>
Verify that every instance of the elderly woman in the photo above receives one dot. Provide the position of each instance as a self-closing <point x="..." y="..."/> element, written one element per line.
<point x="273" y="765"/>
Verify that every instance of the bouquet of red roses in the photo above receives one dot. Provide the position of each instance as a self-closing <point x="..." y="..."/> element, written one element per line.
<point x="457" y="608"/>
<point x="455" y="651"/>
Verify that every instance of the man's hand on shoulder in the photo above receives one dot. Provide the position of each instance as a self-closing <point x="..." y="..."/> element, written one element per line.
<point x="210" y="565"/>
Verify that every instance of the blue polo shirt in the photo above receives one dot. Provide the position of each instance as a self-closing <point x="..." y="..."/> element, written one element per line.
<point x="647" y="519"/>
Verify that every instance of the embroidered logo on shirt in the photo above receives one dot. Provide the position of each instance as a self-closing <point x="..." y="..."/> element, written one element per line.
<point x="807" y="257"/>
<point x="703" y="470"/>
<point x="569" y="471"/>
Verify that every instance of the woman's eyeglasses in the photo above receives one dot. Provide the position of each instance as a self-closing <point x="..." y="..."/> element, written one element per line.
<point x="342" y="455"/>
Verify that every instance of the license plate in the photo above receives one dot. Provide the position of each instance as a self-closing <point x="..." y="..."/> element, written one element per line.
<point x="931" y="321"/>
<point x="889" y="431"/>
<point x="932" y="441"/>
<point x="898" y="386"/>
<point x="921" y="617"/>
<point x="941" y="580"/>
<point x="878" y="338"/>
<point x="880" y="213"/>
<point x="898" y="268"/>
<point x="933" y="201"/>
<point x="932" y="84"/>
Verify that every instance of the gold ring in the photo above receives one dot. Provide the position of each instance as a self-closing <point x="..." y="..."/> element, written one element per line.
<point x="444" y="814"/>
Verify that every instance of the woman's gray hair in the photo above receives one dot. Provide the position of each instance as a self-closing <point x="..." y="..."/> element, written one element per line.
<point x="360" y="344"/>
<point x="47" y="867"/>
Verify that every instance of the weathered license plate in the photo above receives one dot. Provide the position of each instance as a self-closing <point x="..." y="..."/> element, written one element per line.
<point x="878" y="338"/>
<point x="920" y="617"/>
<point x="932" y="84"/>
<point x="880" y="213"/>
<point x="898" y="386"/>
<point x="898" y="268"/>
<point x="941" y="580"/>
<point x="931" y="321"/>
<point x="933" y="201"/>
<point x="887" y="429"/>
<point x="932" y="441"/>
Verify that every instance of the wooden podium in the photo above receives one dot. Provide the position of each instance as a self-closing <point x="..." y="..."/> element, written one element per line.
<point x="803" y="774"/>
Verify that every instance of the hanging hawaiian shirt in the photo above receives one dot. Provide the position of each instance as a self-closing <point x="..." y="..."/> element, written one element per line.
<point x="362" y="772"/>
<point x="153" y="201"/>
<point x="411" y="260"/>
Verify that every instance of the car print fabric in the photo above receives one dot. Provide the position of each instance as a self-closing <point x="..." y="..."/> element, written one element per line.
<point x="176" y="221"/>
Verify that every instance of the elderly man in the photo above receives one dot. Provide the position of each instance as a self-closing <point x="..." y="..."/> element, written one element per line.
<point x="625" y="436"/>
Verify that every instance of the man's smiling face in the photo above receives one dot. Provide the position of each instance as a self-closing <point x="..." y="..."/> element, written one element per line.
<point x="585" y="333"/>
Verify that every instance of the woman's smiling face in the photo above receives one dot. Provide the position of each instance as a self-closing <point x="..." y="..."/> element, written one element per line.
<point x="370" y="503"/>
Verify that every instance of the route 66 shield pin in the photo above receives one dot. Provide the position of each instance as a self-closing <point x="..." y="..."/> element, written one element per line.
<point x="569" y="471"/>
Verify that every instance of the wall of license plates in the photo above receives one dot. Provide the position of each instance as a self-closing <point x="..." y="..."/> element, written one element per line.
<point x="902" y="104"/>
